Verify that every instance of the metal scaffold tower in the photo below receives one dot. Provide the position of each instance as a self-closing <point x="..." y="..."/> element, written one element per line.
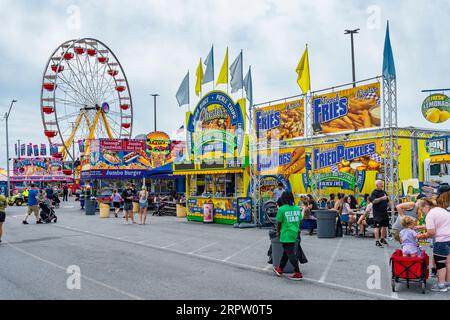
<point x="390" y="141"/>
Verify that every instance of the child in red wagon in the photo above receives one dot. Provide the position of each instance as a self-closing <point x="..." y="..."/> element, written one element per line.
<point x="408" y="237"/>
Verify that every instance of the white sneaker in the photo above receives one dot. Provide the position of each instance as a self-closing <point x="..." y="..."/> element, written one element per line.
<point x="439" y="287"/>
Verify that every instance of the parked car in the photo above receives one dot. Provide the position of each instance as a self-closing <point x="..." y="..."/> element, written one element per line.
<point x="17" y="200"/>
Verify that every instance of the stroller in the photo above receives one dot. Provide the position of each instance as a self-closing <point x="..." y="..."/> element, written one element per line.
<point x="407" y="269"/>
<point x="47" y="214"/>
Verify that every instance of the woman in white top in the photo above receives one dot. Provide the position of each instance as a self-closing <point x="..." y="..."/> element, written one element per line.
<point x="437" y="221"/>
<point x="143" y="206"/>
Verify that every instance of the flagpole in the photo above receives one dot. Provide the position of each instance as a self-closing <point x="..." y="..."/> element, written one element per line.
<point x="189" y="93"/>
<point x="242" y="72"/>
<point x="228" y="73"/>
<point x="214" y="76"/>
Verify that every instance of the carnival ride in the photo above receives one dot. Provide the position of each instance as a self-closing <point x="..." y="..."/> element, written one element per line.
<point x="85" y="95"/>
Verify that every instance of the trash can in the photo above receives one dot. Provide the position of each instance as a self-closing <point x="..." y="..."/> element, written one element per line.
<point x="105" y="210"/>
<point x="208" y="213"/>
<point x="181" y="211"/>
<point x="90" y="207"/>
<point x="277" y="252"/>
<point x="326" y="223"/>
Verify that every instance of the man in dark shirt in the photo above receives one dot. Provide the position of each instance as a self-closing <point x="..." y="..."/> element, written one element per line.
<point x="127" y="196"/>
<point x="65" y="193"/>
<point x="380" y="213"/>
<point x="49" y="192"/>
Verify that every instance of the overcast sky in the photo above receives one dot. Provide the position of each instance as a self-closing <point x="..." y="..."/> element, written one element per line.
<point x="158" y="41"/>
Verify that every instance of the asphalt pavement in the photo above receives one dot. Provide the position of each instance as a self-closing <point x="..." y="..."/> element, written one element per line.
<point x="171" y="258"/>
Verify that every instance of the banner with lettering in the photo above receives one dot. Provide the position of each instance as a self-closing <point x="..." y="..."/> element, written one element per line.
<point x="282" y="121"/>
<point x="347" y="110"/>
<point x="348" y="157"/>
<point x="283" y="161"/>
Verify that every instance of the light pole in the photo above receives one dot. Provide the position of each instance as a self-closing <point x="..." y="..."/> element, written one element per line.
<point x="351" y="33"/>
<point x="155" y="96"/>
<point x="7" y="149"/>
<point x="73" y="154"/>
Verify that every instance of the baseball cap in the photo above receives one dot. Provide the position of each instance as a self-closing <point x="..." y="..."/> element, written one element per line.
<point x="443" y="188"/>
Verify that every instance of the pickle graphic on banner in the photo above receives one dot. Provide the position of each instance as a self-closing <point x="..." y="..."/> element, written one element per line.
<point x="347" y="110"/>
<point x="436" y="108"/>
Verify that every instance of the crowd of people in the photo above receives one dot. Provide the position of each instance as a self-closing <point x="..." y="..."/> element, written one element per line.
<point x="376" y="211"/>
<point x="406" y="230"/>
<point x="130" y="195"/>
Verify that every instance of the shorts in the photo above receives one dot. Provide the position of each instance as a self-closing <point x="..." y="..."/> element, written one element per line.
<point x="410" y="250"/>
<point x="381" y="222"/>
<point x="128" y="206"/>
<point x="345" y="218"/>
<point x="143" y="205"/>
<point x="370" y="221"/>
<point x="441" y="248"/>
<point x="116" y="205"/>
<point x="33" y="209"/>
<point x="2" y="217"/>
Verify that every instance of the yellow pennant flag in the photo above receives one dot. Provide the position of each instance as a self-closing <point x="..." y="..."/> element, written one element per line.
<point x="304" y="80"/>
<point x="223" y="76"/>
<point x="200" y="74"/>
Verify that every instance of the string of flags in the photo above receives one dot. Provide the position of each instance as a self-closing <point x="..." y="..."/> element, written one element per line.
<point x="34" y="150"/>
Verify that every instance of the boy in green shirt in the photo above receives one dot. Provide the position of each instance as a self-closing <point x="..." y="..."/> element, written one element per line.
<point x="3" y="205"/>
<point x="288" y="218"/>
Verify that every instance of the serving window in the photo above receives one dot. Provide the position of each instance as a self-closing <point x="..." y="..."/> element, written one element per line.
<point x="217" y="185"/>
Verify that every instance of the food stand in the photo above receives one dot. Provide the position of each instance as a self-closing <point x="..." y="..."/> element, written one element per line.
<point x="114" y="159"/>
<point x="344" y="151"/>
<point x="216" y="163"/>
<point x="38" y="170"/>
<point x="163" y="152"/>
<point x="439" y="149"/>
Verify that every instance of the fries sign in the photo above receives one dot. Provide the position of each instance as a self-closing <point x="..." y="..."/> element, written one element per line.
<point x="347" y="110"/>
<point x="283" y="121"/>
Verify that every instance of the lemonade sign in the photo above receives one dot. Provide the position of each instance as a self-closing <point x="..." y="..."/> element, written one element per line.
<point x="436" y="108"/>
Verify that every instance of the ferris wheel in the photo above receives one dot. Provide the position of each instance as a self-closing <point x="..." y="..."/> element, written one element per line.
<point x="85" y="95"/>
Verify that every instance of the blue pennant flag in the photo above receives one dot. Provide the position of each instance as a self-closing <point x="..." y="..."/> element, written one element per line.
<point x="388" y="61"/>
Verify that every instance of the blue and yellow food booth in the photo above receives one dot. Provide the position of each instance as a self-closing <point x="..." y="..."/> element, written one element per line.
<point x="216" y="164"/>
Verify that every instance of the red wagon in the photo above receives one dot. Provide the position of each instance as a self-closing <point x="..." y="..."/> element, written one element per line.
<point x="408" y="269"/>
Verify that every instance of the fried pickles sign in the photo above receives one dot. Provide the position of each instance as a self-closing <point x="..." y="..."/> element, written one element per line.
<point x="348" y="157"/>
<point x="347" y="110"/>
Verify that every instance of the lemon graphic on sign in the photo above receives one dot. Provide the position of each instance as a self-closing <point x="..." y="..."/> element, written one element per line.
<point x="436" y="108"/>
<point x="433" y="115"/>
<point x="444" y="116"/>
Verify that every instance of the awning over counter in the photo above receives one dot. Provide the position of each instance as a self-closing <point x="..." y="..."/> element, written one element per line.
<point x="164" y="171"/>
<point x="441" y="159"/>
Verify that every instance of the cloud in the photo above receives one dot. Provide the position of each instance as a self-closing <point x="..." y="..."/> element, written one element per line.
<point x="158" y="41"/>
